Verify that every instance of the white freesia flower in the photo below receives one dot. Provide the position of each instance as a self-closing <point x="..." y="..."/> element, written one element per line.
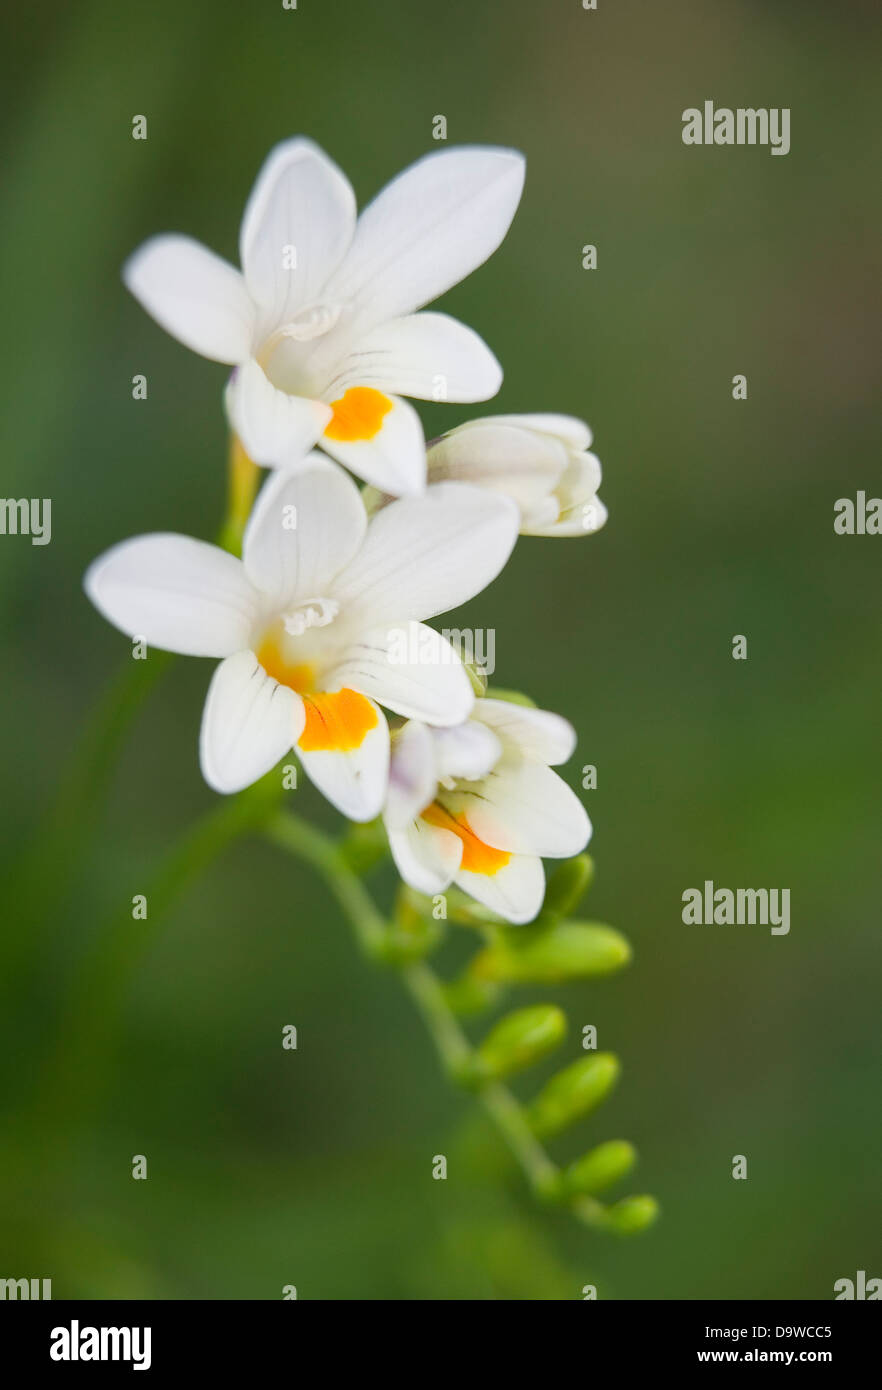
<point x="478" y="805"/>
<point x="541" y="461"/>
<point x="305" y="621"/>
<point x="320" y="322"/>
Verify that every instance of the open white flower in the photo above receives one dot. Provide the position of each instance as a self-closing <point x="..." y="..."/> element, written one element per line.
<point x="478" y="805"/>
<point x="309" y="623"/>
<point x="320" y="323"/>
<point x="541" y="461"/>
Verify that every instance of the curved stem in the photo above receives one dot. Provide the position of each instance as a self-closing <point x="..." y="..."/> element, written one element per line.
<point x="508" y="1114"/>
<point x="424" y="986"/>
<point x="451" y="1043"/>
<point x="502" y="1106"/>
<point x="298" y="837"/>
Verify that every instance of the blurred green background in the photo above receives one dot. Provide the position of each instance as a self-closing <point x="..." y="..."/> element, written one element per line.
<point x="313" y="1167"/>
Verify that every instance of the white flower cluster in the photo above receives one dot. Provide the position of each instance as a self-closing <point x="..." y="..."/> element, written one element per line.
<point x="320" y="326"/>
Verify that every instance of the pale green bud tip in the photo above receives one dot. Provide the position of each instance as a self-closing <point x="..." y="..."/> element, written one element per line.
<point x="550" y="952"/>
<point x="520" y="1039"/>
<point x="573" y="1092"/>
<point x="599" y="1169"/>
<point x="477" y="678"/>
<point x="514" y="697"/>
<point x="632" y="1215"/>
<point x="373" y="499"/>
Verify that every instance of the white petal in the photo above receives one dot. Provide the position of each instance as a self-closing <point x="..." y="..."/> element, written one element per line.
<point x="515" y="891"/>
<point x="467" y="750"/>
<point x="580" y="511"/>
<point x="572" y="432"/>
<point x="541" y="519"/>
<point x="425" y="555"/>
<point x="305" y="527"/>
<point x="429" y="356"/>
<point x="276" y="430"/>
<point x="176" y="593"/>
<point x="412" y="783"/>
<point x="354" y="780"/>
<point x="527" y="809"/>
<point x="581" y="519"/>
<point x="301" y="210"/>
<point x="409" y="668"/>
<point x="393" y="458"/>
<point x="581" y="479"/>
<point x="249" y="723"/>
<point x="427" y="230"/>
<point x="426" y="856"/>
<point x="536" y="733"/>
<point x="491" y="454"/>
<point x="197" y="297"/>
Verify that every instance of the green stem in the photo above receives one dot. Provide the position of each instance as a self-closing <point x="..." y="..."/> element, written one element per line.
<point x="454" y="1050"/>
<point x="298" y="837"/>
<point x="508" y="1114"/>
<point x="450" y="1041"/>
<point x="591" y="1212"/>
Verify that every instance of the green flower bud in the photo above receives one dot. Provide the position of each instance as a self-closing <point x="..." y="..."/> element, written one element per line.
<point x="520" y="1039"/>
<point x="599" y="1169"/>
<point x="631" y="1215"/>
<point x="552" y="951"/>
<point x="573" y="1092"/>
<point x="567" y="885"/>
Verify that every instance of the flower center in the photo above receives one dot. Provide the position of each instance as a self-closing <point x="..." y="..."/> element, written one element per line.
<point x="295" y="663"/>
<point x="310" y="612"/>
<point x="288" y="353"/>
<point x="312" y="322"/>
<point x="337" y="721"/>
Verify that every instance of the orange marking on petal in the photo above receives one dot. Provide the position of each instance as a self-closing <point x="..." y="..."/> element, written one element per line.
<point x="337" y="721"/>
<point x="477" y="858"/>
<point x="299" y="677"/>
<point x="358" y="415"/>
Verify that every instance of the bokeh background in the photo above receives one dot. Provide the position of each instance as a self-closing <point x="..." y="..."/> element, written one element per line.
<point x="269" y="1167"/>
